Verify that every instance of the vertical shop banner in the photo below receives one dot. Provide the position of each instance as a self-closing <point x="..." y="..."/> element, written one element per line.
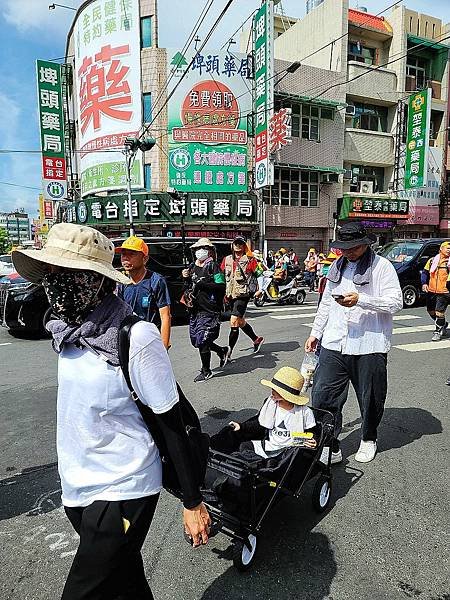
<point x="207" y="122"/>
<point x="263" y="53"/>
<point x="417" y="139"/>
<point x="51" y="123"/>
<point x="108" y="92"/>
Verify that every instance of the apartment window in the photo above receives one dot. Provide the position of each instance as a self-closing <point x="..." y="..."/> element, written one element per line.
<point x="416" y="73"/>
<point x="370" y="117"/>
<point x="293" y="187"/>
<point x="360" y="53"/>
<point x="146" y="32"/>
<point x="147" y="107"/>
<point x="310" y="122"/>
<point x="148" y="177"/>
<point x="361" y="173"/>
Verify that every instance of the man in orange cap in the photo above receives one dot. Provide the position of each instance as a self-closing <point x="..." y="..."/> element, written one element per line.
<point x="148" y="294"/>
<point x="434" y="278"/>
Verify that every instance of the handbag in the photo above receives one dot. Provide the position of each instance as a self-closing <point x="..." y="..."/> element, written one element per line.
<point x="198" y="441"/>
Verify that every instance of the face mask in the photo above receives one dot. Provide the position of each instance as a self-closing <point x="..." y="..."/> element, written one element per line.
<point x="201" y="254"/>
<point x="74" y="294"/>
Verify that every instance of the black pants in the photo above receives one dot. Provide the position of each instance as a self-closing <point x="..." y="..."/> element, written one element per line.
<point x="108" y="563"/>
<point x="368" y="375"/>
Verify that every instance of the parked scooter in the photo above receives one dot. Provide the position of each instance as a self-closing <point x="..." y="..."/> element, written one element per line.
<point x="288" y="292"/>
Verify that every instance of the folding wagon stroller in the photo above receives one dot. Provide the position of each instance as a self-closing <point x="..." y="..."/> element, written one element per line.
<point x="239" y="494"/>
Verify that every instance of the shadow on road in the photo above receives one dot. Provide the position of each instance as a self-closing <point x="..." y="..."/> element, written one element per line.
<point x="399" y="427"/>
<point x="33" y="492"/>
<point x="266" y="358"/>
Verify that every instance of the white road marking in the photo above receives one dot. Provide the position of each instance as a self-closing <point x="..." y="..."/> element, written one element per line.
<point x="303" y="316"/>
<point x="6" y="344"/>
<point x="283" y="308"/>
<point x="406" y="317"/>
<point x="422" y="346"/>
<point x="407" y="329"/>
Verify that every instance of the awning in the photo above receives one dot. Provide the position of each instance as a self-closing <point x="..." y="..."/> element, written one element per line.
<point x="415" y="39"/>
<point x="309" y="99"/>
<point x="309" y="168"/>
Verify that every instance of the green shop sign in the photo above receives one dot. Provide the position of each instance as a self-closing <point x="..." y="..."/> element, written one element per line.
<point x="417" y="139"/>
<point x="161" y="208"/>
<point x="373" y="208"/>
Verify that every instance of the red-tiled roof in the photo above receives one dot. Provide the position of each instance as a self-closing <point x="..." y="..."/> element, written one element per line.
<point x="366" y="20"/>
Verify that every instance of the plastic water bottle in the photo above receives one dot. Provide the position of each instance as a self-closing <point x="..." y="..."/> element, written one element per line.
<point x="308" y="367"/>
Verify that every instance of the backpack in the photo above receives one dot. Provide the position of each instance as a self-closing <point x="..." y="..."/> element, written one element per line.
<point x="198" y="442"/>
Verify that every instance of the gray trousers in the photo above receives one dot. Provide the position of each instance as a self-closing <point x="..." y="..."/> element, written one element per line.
<point x="368" y="375"/>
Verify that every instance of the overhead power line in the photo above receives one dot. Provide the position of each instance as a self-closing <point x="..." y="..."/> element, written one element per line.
<point x="27" y="187"/>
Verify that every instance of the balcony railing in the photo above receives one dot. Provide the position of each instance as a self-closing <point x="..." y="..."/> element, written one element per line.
<point x="412" y="85"/>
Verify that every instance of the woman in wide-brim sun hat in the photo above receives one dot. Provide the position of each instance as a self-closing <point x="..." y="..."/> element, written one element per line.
<point x="108" y="462"/>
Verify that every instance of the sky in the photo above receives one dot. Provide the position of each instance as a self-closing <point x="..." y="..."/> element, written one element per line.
<point x="28" y="31"/>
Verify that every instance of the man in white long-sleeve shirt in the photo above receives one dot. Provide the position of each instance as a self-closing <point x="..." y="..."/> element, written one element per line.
<point x="354" y="324"/>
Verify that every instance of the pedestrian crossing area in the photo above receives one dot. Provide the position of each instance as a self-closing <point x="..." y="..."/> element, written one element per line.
<point x="412" y="327"/>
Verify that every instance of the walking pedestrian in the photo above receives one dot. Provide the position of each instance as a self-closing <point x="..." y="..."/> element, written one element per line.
<point x="354" y="325"/>
<point x="434" y="279"/>
<point x="240" y="276"/>
<point x="108" y="462"/>
<point x="147" y="292"/>
<point x="205" y="284"/>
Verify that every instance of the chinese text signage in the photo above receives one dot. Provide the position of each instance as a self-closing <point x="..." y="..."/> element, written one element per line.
<point x="263" y="91"/>
<point x="108" y="90"/>
<point x="208" y="122"/>
<point x="161" y="208"/>
<point x="379" y="208"/>
<point x="51" y="122"/>
<point x="417" y="139"/>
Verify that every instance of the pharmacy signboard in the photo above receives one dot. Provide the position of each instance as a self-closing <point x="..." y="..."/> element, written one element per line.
<point x="263" y="53"/>
<point x="417" y="139"/>
<point x="108" y="92"/>
<point x="207" y="121"/>
<point x="51" y="123"/>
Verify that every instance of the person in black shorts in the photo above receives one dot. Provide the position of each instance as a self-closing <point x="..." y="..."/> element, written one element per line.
<point x="240" y="277"/>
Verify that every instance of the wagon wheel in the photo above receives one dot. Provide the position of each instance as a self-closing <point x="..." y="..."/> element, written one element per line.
<point x="321" y="494"/>
<point x="243" y="555"/>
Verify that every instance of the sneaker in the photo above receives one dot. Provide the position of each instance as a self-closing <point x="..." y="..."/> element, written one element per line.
<point x="336" y="457"/>
<point x="366" y="451"/>
<point x="203" y="376"/>
<point x="437" y="336"/>
<point x="258" y="343"/>
<point x="448" y="381"/>
<point x="223" y="356"/>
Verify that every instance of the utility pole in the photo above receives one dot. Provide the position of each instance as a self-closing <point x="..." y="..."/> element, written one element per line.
<point x="131" y="146"/>
<point x="181" y="200"/>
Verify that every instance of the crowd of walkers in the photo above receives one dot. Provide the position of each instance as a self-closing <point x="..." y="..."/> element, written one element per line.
<point x="108" y="460"/>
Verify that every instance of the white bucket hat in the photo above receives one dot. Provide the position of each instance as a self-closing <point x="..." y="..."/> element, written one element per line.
<point x="71" y="246"/>
<point x="203" y="243"/>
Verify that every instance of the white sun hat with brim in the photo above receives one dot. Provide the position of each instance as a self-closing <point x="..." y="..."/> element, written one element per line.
<point x="203" y="243"/>
<point x="73" y="247"/>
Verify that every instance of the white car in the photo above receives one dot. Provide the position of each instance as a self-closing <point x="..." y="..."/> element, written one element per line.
<point x="6" y="265"/>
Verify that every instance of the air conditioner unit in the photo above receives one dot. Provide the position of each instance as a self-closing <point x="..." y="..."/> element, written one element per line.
<point x="350" y="111"/>
<point x="366" y="187"/>
<point x="348" y="174"/>
<point x="329" y="178"/>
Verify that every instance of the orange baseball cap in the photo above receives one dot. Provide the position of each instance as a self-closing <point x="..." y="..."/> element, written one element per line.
<point x="134" y="243"/>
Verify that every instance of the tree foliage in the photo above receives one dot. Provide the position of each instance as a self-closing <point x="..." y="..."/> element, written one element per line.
<point x="5" y="244"/>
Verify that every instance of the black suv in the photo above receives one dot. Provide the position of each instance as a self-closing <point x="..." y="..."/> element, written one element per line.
<point x="409" y="257"/>
<point x="24" y="307"/>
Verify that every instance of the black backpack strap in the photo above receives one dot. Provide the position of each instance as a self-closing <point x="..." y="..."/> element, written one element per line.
<point x="124" y="347"/>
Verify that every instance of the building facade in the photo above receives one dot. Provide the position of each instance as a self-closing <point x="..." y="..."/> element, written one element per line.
<point x="380" y="61"/>
<point x="17" y="225"/>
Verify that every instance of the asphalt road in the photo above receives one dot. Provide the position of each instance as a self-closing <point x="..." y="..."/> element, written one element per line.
<point x="385" y="536"/>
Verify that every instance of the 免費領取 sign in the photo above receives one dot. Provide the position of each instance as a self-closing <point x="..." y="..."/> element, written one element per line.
<point x="207" y="122"/>
<point x="51" y="124"/>
<point x="107" y="79"/>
